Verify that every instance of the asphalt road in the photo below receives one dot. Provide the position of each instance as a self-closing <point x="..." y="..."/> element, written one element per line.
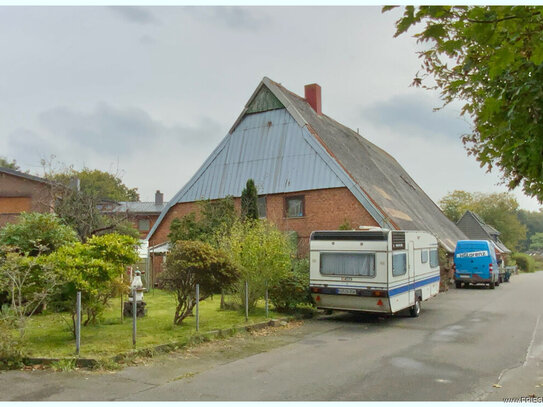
<point x="468" y="344"/>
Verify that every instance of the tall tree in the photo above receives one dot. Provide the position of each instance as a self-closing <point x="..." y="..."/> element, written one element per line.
<point x="249" y="200"/>
<point x="98" y="184"/>
<point x="496" y="209"/>
<point x="491" y="59"/>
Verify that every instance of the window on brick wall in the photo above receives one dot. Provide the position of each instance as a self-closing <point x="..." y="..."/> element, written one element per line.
<point x="261" y="206"/>
<point x="144" y="225"/>
<point x="294" y="206"/>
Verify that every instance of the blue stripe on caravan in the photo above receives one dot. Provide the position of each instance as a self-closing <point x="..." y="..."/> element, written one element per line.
<point x="412" y="286"/>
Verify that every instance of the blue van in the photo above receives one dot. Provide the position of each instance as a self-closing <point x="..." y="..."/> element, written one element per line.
<point x="475" y="263"/>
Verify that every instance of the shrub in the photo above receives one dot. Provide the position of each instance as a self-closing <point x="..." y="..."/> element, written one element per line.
<point x="261" y="252"/>
<point x="293" y="290"/>
<point x="11" y="355"/>
<point x="524" y="262"/>
<point x="96" y="268"/>
<point x="190" y="263"/>
<point x="37" y="233"/>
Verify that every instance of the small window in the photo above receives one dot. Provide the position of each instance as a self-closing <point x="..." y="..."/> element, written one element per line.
<point x="348" y="264"/>
<point x="424" y="256"/>
<point x="261" y="206"/>
<point x="434" y="258"/>
<point x="399" y="264"/>
<point x="294" y="206"/>
<point x="144" y="224"/>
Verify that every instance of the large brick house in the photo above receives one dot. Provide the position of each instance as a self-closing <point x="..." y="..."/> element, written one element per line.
<point x="142" y="215"/>
<point x="311" y="173"/>
<point x="21" y="192"/>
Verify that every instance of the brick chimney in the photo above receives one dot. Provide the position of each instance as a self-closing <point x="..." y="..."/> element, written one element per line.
<point x="159" y="197"/>
<point x="313" y="97"/>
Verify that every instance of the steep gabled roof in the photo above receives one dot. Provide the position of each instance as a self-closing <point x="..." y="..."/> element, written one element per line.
<point x="376" y="172"/>
<point x="24" y="175"/>
<point x="374" y="177"/>
<point x="476" y="229"/>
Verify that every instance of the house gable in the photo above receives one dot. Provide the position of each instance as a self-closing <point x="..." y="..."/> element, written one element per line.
<point x="263" y="101"/>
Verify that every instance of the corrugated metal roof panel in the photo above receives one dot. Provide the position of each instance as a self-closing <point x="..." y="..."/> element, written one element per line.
<point x="270" y="148"/>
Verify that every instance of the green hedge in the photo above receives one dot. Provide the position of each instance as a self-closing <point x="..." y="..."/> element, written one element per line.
<point x="525" y="263"/>
<point x="293" y="290"/>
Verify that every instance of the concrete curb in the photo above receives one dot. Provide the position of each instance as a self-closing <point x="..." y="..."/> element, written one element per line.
<point x="169" y="347"/>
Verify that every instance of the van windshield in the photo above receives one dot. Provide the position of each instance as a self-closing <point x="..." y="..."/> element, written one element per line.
<point x="348" y="264"/>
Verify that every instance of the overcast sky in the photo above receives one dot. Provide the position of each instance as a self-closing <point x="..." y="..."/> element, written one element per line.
<point x="148" y="93"/>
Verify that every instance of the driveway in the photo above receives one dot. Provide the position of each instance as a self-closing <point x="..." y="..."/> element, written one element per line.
<point x="468" y="344"/>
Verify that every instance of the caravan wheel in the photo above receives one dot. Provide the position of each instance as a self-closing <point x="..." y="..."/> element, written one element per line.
<point x="414" y="311"/>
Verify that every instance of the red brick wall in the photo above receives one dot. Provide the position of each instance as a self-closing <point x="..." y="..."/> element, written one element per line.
<point x="134" y="219"/>
<point x="325" y="209"/>
<point x="19" y="194"/>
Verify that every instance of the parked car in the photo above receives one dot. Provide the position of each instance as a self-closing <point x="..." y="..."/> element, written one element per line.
<point x="475" y="263"/>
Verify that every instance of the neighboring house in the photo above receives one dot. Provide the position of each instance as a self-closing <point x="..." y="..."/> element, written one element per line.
<point x="20" y="192"/>
<point x="312" y="173"/>
<point x="143" y="215"/>
<point x="476" y="229"/>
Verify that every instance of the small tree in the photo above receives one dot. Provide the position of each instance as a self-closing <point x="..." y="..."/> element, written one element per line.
<point x="30" y="280"/>
<point x="261" y="252"/>
<point x="190" y="263"/>
<point x="37" y="233"/>
<point x="96" y="268"/>
<point x="249" y="200"/>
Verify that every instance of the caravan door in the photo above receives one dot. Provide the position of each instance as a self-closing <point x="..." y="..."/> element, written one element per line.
<point x="411" y="272"/>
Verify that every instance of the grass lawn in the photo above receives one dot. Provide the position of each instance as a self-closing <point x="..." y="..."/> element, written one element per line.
<point x="49" y="335"/>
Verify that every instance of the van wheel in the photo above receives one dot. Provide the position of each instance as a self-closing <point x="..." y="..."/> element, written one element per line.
<point x="414" y="311"/>
<point x="491" y="285"/>
<point x="458" y="284"/>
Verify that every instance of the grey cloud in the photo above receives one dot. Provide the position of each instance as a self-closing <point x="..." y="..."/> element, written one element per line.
<point x="112" y="131"/>
<point x="231" y="17"/>
<point x="415" y="114"/>
<point x="135" y="14"/>
<point x="147" y="40"/>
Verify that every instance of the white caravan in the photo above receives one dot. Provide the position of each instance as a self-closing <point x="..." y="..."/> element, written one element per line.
<point x="373" y="270"/>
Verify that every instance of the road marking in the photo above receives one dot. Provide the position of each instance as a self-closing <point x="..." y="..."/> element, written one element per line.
<point x="532" y="341"/>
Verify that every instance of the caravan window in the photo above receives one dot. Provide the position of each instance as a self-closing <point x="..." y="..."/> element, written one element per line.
<point x="424" y="256"/>
<point x="434" y="258"/>
<point x="399" y="264"/>
<point x="348" y="264"/>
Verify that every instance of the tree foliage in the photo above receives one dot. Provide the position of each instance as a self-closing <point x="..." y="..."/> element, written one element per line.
<point x="491" y="59"/>
<point x="190" y="263"/>
<point x="533" y="220"/>
<point x="29" y="280"/>
<point x="4" y="162"/>
<point x="496" y="209"/>
<point x="249" y="200"/>
<point x="261" y="252"/>
<point x="79" y="208"/>
<point x="97" y="269"/>
<point x="536" y="242"/>
<point x="213" y="216"/>
<point x="292" y="290"/>
<point x="37" y="233"/>
<point x="99" y="184"/>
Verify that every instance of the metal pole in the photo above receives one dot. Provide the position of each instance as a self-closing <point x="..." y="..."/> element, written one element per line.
<point x="134" y="316"/>
<point x="197" y="307"/>
<point x="78" y="324"/>
<point x="246" y="301"/>
<point x="267" y="301"/>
